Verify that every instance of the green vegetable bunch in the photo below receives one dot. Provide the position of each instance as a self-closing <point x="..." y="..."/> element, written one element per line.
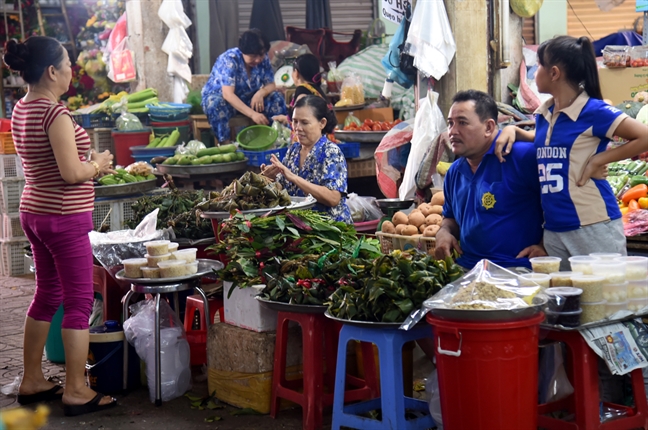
<point x="123" y="177"/>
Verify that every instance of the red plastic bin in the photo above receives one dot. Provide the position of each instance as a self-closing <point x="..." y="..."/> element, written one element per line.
<point x="488" y="373"/>
<point x="124" y="140"/>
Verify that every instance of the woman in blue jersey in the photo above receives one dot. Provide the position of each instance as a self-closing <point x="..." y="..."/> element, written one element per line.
<point x="572" y="131"/>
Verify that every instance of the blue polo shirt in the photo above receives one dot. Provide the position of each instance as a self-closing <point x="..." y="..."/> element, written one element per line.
<point x="497" y="208"/>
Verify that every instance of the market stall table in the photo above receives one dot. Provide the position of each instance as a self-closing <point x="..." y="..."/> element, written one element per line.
<point x="157" y="287"/>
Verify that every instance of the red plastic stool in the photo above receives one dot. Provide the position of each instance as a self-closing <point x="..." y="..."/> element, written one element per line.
<point x="582" y="368"/>
<point x="198" y="338"/>
<point x="111" y="293"/>
<point x="320" y="338"/>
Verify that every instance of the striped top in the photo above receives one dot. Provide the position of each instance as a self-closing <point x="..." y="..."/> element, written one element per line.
<point x="45" y="190"/>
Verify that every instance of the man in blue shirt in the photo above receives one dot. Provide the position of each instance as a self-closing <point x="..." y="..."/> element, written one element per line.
<point x="492" y="210"/>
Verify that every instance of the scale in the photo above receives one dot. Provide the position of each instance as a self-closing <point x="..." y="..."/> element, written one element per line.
<point x="390" y="207"/>
<point x="283" y="76"/>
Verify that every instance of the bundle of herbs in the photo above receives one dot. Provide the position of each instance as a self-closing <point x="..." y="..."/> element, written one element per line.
<point x="250" y="191"/>
<point x="280" y="244"/>
<point x="390" y="288"/>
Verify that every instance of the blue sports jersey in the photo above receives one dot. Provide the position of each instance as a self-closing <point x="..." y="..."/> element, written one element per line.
<point x="497" y="208"/>
<point x="564" y="143"/>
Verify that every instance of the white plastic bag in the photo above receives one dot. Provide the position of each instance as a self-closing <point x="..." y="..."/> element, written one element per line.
<point x="139" y="330"/>
<point x="434" y="398"/>
<point x="553" y="383"/>
<point x="428" y="125"/>
<point x="178" y="42"/>
<point x="363" y="208"/>
<point x="172" y="14"/>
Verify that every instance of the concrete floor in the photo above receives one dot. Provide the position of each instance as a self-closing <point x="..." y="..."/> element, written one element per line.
<point x="135" y="411"/>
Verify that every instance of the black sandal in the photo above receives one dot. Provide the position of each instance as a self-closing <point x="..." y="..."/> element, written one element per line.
<point x="43" y="396"/>
<point x="92" y="406"/>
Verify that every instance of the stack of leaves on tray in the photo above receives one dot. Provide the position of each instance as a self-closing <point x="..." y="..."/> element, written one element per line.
<point x="391" y="287"/>
<point x="285" y="244"/>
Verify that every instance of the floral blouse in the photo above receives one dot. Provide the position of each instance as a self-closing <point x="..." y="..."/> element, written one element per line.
<point x="325" y="165"/>
<point x="229" y="71"/>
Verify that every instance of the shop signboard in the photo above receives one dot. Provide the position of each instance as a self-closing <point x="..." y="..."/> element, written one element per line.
<point x="393" y="10"/>
<point x="642" y="6"/>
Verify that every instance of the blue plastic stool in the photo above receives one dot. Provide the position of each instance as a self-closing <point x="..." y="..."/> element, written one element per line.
<point x="392" y="402"/>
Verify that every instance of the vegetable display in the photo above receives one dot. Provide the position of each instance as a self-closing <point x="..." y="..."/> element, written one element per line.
<point x="425" y="220"/>
<point x="250" y="191"/>
<point x="123" y="177"/>
<point x="215" y="155"/>
<point x="370" y="125"/>
<point x="390" y="288"/>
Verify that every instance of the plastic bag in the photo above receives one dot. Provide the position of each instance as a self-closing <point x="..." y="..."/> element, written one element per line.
<point x="284" y="135"/>
<point x="121" y="67"/>
<point x="363" y="208"/>
<point x="96" y="317"/>
<point x="553" y="383"/>
<point x="128" y="122"/>
<point x="352" y="92"/>
<point x="486" y="287"/>
<point x="118" y="33"/>
<point x="171" y="12"/>
<point x="193" y="146"/>
<point x="434" y="398"/>
<point x="391" y="158"/>
<point x="428" y="125"/>
<point x="139" y="330"/>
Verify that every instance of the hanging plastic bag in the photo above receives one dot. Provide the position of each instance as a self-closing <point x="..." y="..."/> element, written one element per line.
<point x="128" y="122"/>
<point x="172" y="14"/>
<point x="391" y="158"/>
<point x="363" y="208"/>
<point x="428" y="125"/>
<point x="139" y="330"/>
<point x="553" y="383"/>
<point x="434" y="398"/>
<point x="392" y="59"/>
<point x="352" y="92"/>
<point x="118" y="33"/>
<point x="122" y="63"/>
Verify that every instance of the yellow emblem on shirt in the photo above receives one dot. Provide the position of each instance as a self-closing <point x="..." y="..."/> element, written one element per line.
<point x="488" y="201"/>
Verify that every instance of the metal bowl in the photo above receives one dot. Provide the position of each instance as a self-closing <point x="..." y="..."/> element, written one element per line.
<point x="394" y="203"/>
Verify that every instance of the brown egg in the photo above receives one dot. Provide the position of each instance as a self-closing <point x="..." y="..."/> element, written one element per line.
<point x="388" y="227"/>
<point x="410" y="230"/>
<point x="438" y="199"/>
<point x="436" y="209"/>
<point x="434" y="219"/>
<point x="431" y="231"/>
<point x="399" y="217"/>
<point x="400" y="228"/>
<point x="416" y="219"/>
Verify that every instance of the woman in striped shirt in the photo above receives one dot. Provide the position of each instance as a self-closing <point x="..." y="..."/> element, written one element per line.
<point x="56" y="215"/>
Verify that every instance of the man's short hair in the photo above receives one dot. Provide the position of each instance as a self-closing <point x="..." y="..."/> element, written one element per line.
<point x="485" y="106"/>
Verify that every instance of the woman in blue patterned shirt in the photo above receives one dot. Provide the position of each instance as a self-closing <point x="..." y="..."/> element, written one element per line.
<point x="314" y="165"/>
<point x="242" y="80"/>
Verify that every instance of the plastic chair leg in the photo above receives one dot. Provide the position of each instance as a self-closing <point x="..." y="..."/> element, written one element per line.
<point x="313" y="374"/>
<point x="279" y="364"/>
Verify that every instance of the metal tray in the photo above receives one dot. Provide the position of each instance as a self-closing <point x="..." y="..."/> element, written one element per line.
<point x="360" y="136"/>
<point x="367" y="324"/>
<point x="350" y="107"/>
<point x="297" y="203"/>
<point x="205" y="267"/>
<point x="490" y="315"/>
<point x="203" y="169"/>
<point x="394" y="203"/>
<point x="288" y="307"/>
<point x="124" y="189"/>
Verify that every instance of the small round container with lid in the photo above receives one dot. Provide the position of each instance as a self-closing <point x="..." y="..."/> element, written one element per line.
<point x="132" y="267"/>
<point x="545" y="264"/>
<point x="192" y="267"/>
<point x="591" y="285"/>
<point x="173" y="247"/>
<point x="565" y="319"/>
<point x="582" y="263"/>
<point x="636" y="267"/>
<point x="172" y="268"/>
<point x="188" y="255"/>
<point x="157" y="247"/>
<point x="153" y="260"/>
<point x="635" y="305"/>
<point x="605" y="255"/>
<point x="563" y="299"/>
<point x="638" y="289"/>
<point x="541" y="279"/>
<point x="563" y="279"/>
<point x="614" y="272"/>
<point x="150" y="272"/>
<point x="615" y="292"/>
<point x="593" y="311"/>
<point x="613" y="307"/>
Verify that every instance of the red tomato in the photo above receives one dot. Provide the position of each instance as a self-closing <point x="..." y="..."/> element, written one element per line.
<point x="365" y="128"/>
<point x="385" y="126"/>
<point x="368" y="122"/>
<point x="376" y="127"/>
<point x="398" y="121"/>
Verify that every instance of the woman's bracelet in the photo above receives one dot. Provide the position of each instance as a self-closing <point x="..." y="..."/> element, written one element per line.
<point x="97" y="169"/>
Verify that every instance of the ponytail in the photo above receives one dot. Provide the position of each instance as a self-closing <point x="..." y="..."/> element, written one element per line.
<point x="590" y="70"/>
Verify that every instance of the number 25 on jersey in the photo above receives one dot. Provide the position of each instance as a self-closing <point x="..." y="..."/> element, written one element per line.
<point x="550" y="182"/>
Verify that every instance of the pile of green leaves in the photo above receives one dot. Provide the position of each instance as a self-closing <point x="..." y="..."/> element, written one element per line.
<point x="179" y="209"/>
<point x="392" y="287"/>
<point x="258" y="245"/>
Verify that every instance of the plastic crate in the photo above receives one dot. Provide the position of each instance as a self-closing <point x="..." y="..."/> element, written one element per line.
<point x="11" y="167"/>
<point x="350" y="149"/>
<point x="11" y="227"/>
<point x="102" y="211"/>
<point x="12" y="257"/>
<point x="101" y="139"/>
<point x="94" y="120"/>
<point x="10" y="191"/>
<point x="359" y="169"/>
<point x="120" y="211"/>
<point x="390" y="242"/>
<point x="257" y="158"/>
<point x="126" y="211"/>
<point x="6" y="143"/>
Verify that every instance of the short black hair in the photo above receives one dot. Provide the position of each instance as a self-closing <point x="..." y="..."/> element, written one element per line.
<point x="33" y="56"/>
<point x="252" y="42"/>
<point x="320" y="110"/>
<point x="485" y="106"/>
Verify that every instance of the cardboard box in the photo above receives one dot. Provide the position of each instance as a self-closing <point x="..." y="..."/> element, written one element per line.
<point x="620" y="85"/>
<point x="379" y="114"/>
